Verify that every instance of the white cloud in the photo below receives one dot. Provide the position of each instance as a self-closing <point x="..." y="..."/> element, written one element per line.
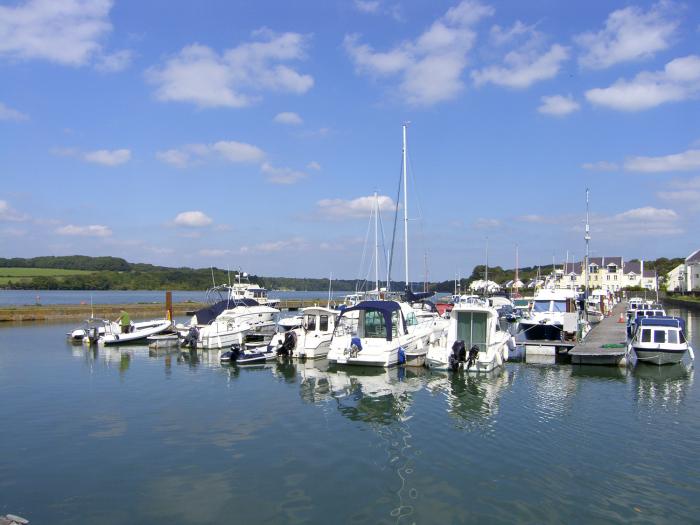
<point x="679" y="80"/>
<point x="367" y="6"/>
<point x="114" y="62"/>
<point x="93" y="230"/>
<point x="192" y="219"/>
<point x="238" y="151"/>
<point x="431" y="66"/>
<point x="686" y="161"/>
<point x="523" y="67"/>
<point x="174" y="157"/>
<point x="602" y="165"/>
<point x="313" y="165"/>
<point x="629" y="34"/>
<point x="229" y="150"/>
<point x="108" y="157"/>
<point x="7" y="213"/>
<point x="214" y="252"/>
<point x="645" y="221"/>
<point x="293" y="244"/>
<point x="355" y="208"/>
<point x="500" y="36"/>
<point x="558" y="105"/>
<point x="236" y="77"/>
<point x="487" y="224"/>
<point x="287" y="117"/>
<point x="66" y="32"/>
<point x="684" y="192"/>
<point x="536" y="219"/>
<point x="7" y="113"/>
<point x="282" y="175"/>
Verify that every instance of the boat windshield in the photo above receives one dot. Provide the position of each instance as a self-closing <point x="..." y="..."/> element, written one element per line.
<point x="544" y="306"/>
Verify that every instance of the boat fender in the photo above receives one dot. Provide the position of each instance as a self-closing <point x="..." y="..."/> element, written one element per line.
<point x="402" y="355"/>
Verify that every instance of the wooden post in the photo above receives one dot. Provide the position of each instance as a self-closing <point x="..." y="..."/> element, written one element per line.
<point x="169" y="304"/>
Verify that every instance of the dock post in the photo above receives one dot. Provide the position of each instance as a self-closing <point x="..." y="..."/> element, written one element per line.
<point x="169" y="304"/>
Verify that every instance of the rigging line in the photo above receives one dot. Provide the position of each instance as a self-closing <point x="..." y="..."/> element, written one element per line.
<point x="396" y="216"/>
<point x="381" y="228"/>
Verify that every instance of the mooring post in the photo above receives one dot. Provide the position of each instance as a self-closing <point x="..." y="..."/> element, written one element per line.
<point x="169" y="304"/>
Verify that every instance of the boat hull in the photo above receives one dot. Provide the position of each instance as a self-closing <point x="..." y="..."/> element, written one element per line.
<point x="659" y="356"/>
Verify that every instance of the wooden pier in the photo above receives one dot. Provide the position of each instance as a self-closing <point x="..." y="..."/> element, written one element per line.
<point x="597" y="347"/>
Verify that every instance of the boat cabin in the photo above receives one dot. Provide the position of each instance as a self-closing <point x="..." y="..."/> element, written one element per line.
<point x="373" y="320"/>
<point x="316" y="319"/>
<point x="660" y="330"/>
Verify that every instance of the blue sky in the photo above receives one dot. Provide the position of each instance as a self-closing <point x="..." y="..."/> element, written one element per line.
<point x="253" y="135"/>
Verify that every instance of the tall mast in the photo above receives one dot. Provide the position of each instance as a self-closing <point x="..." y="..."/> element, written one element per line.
<point x="516" y="269"/>
<point x="376" y="242"/>
<point x="486" y="275"/>
<point x="405" y="206"/>
<point x="587" y="237"/>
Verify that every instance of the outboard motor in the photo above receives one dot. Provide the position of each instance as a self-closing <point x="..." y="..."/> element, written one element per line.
<point x="458" y="355"/>
<point x="473" y="356"/>
<point x="231" y="356"/>
<point x="190" y="339"/>
<point x="289" y="344"/>
<point x="93" y="334"/>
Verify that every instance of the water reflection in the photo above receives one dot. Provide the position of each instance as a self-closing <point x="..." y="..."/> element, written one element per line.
<point x="662" y="386"/>
<point x="473" y="400"/>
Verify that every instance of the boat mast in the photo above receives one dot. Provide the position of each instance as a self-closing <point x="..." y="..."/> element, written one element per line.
<point x="516" y="270"/>
<point x="587" y="237"/>
<point x="405" y="205"/>
<point x="486" y="274"/>
<point x="376" y="242"/>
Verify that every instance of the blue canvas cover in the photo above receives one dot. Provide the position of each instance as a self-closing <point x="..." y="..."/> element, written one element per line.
<point x="207" y="314"/>
<point x="673" y="322"/>
<point x="385" y="307"/>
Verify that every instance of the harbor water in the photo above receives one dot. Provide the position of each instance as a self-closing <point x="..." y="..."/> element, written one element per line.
<point x="122" y="435"/>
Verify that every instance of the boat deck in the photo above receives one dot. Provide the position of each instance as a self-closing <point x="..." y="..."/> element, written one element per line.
<point x="592" y="351"/>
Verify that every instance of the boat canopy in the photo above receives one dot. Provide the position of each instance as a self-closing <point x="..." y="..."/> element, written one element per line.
<point x="207" y="314"/>
<point x="672" y="322"/>
<point x="412" y="297"/>
<point x="386" y="308"/>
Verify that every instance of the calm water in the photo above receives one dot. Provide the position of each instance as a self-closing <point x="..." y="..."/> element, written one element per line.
<point x="24" y="297"/>
<point x="120" y="436"/>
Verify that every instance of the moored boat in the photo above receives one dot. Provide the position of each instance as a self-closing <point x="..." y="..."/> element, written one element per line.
<point x="660" y="340"/>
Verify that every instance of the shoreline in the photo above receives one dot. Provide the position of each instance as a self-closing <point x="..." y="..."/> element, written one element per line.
<point x="80" y="312"/>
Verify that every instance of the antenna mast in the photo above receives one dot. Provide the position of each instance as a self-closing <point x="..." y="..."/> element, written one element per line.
<point x="587" y="237"/>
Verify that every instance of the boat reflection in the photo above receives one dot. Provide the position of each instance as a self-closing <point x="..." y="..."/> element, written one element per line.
<point x="471" y="399"/>
<point x="662" y="386"/>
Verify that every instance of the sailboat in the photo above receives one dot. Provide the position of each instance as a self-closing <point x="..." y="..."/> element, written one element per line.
<point x="385" y="332"/>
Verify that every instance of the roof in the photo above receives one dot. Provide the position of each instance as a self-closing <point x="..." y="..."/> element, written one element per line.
<point x="672" y="322"/>
<point x="693" y="257"/>
<point x="636" y="267"/>
<point x="605" y="261"/>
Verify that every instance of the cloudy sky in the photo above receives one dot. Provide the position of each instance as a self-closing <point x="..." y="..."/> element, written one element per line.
<point x="254" y="134"/>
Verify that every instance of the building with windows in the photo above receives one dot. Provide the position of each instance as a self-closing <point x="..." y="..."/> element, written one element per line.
<point x="609" y="274"/>
<point x="685" y="277"/>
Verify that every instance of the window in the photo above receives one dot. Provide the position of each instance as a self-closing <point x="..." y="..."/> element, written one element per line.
<point x="559" y="306"/>
<point x="540" y="306"/>
<point x="682" y="337"/>
<point x="310" y="322"/>
<point x="646" y="335"/>
<point x="673" y="336"/>
<point x="659" y="336"/>
<point x="374" y="324"/>
<point x="411" y="319"/>
<point x="607" y="277"/>
<point x="323" y="323"/>
<point x="615" y="277"/>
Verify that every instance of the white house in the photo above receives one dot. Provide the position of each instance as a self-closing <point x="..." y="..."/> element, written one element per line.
<point x="675" y="279"/>
<point x="692" y="272"/>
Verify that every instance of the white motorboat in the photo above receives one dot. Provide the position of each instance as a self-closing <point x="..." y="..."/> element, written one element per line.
<point x="244" y="289"/>
<point x="381" y="333"/>
<point x="593" y="310"/>
<point x="110" y="332"/>
<point x="660" y="340"/>
<point x="474" y="341"/>
<point x="228" y="322"/>
<point x="643" y="310"/>
<point x="310" y="340"/>
<point x="553" y="317"/>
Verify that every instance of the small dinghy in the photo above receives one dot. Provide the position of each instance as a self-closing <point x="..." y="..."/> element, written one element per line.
<point x="163" y="341"/>
<point x="243" y="357"/>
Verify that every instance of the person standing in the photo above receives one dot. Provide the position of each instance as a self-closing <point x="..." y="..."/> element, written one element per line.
<point x="124" y="321"/>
